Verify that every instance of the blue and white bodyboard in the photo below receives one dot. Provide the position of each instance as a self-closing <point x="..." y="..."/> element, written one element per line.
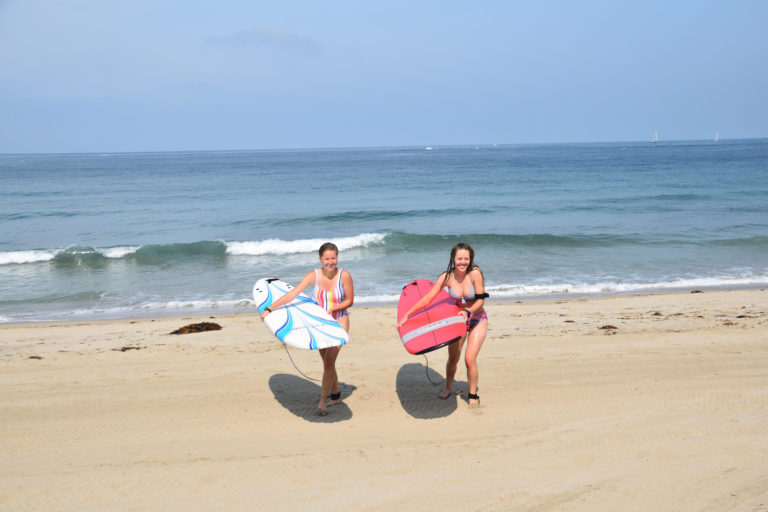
<point x="301" y="323"/>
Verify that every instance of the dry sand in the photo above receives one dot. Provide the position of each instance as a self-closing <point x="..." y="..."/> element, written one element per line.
<point x="666" y="411"/>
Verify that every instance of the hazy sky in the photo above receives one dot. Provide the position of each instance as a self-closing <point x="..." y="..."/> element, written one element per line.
<point x="153" y="75"/>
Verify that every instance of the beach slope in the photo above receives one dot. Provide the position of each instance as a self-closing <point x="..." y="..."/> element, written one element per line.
<point x="646" y="402"/>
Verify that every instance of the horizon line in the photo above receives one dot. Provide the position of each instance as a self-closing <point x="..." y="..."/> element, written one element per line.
<point x="342" y="148"/>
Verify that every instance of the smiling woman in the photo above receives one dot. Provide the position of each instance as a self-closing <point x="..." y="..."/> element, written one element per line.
<point x="334" y="293"/>
<point x="465" y="284"/>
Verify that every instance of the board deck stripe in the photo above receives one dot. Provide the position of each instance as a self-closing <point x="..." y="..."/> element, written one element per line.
<point x="431" y="327"/>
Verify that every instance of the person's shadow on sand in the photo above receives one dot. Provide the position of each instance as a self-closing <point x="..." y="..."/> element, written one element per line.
<point x="421" y="398"/>
<point x="299" y="396"/>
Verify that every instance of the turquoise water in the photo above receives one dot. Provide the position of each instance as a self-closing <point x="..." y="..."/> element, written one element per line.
<point x="116" y="235"/>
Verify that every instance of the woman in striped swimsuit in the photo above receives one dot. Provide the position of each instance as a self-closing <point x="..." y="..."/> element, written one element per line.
<point x="334" y="292"/>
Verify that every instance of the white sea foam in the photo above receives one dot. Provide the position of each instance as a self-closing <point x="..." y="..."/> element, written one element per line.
<point x="139" y="310"/>
<point x="19" y="257"/>
<point x="118" y="252"/>
<point x="36" y="256"/>
<point x="198" y="305"/>
<point x="376" y="299"/>
<point x="616" y="287"/>
<point x="204" y="305"/>
<point x="603" y="288"/>
<point x="280" y="247"/>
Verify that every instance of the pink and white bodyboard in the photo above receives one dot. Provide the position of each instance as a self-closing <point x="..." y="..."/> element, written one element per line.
<point x="437" y="325"/>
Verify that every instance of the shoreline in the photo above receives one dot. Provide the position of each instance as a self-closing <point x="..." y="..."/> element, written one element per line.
<point x="154" y="326"/>
<point x="623" y="402"/>
<point x="391" y="302"/>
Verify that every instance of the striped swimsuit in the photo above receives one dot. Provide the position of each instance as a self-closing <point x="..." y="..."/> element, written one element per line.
<point x="327" y="299"/>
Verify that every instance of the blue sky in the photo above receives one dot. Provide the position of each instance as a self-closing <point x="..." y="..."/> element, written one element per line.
<point x="141" y="75"/>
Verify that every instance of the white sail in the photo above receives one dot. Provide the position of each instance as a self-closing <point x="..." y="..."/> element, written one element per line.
<point x="655" y="136"/>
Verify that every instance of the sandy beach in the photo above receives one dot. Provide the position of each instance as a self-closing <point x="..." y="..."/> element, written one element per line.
<point x="642" y="402"/>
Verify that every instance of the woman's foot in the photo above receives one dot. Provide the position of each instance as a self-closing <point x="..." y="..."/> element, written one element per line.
<point x="474" y="400"/>
<point x="334" y="398"/>
<point x="322" y="411"/>
<point x="446" y="394"/>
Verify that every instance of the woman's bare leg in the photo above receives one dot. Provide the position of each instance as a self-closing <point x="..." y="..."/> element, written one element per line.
<point x="474" y="343"/>
<point x="454" y="354"/>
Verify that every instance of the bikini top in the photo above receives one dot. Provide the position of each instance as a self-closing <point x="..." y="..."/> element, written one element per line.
<point x="469" y="296"/>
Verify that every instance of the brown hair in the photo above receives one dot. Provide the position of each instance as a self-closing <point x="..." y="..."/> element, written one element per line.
<point x="328" y="246"/>
<point x="452" y="264"/>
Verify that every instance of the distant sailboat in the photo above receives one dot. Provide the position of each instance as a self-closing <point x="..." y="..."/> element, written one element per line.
<point x="655" y="136"/>
<point x="717" y="136"/>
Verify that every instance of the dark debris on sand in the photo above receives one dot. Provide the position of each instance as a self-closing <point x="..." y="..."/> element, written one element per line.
<point x="200" y="327"/>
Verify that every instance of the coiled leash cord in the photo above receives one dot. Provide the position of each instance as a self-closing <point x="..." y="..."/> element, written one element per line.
<point x="297" y="368"/>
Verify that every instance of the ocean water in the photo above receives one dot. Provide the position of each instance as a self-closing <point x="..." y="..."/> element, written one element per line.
<point x="86" y="236"/>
